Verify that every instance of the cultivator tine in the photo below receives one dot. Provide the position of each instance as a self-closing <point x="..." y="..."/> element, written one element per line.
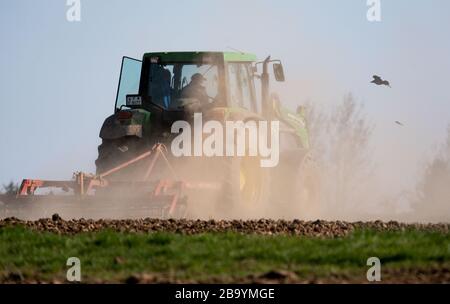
<point x="171" y="191"/>
<point x="169" y="165"/>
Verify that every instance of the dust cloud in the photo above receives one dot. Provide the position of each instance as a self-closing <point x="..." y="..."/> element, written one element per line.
<point x="338" y="179"/>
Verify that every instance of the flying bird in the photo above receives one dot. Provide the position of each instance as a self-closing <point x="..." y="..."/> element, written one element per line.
<point x="378" y="81"/>
<point x="399" y="123"/>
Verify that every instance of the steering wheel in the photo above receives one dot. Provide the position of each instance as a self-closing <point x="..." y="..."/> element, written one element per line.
<point x="190" y="103"/>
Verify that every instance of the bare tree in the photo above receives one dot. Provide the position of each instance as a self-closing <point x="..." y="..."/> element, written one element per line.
<point x="341" y="146"/>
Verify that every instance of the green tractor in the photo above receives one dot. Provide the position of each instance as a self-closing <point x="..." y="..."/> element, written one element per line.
<point x="166" y="87"/>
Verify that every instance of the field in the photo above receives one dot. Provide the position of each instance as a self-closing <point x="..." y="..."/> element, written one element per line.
<point x="151" y="251"/>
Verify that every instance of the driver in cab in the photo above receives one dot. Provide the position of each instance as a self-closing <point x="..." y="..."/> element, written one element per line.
<point x="196" y="90"/>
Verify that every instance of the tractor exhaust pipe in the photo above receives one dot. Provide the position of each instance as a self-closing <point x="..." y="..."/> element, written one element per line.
<point x="265" y="87"/>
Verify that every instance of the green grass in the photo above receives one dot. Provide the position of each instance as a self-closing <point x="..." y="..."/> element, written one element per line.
<point x="42" y="255"/>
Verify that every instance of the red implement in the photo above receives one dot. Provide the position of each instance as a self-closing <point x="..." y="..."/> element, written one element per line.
<point x="166" y="194"/>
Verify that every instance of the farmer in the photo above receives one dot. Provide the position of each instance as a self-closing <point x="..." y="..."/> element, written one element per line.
<point x="196" y="89"/>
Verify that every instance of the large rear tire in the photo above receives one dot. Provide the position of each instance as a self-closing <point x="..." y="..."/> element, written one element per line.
<point x="113" y="152"/>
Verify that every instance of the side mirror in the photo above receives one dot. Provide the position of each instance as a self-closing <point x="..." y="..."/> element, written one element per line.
<point x="278" y="71"/>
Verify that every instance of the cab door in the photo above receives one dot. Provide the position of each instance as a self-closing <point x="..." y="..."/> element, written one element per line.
<point x="241" y="87"/>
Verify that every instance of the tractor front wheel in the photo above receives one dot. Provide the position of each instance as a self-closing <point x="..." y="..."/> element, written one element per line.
<point x="245" y="188"/>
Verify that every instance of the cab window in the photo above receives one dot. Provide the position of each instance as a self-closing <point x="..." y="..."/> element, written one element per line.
<point x="130" y="74"/>
<point x="167" y="81"/>
<point x="241" y="88"/>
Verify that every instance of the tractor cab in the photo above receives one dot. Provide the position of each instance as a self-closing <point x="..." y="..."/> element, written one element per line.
<point x="192" y="81"/>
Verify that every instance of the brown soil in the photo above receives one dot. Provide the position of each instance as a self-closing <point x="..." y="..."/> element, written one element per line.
<point x="263" y="226"/>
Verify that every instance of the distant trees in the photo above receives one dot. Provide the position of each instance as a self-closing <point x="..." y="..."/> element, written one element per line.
<point x="10" y="188"/>
<point x="341" y="145"/>
<point x="433" y="190"/>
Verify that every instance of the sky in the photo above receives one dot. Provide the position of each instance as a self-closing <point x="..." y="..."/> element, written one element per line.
<point x="59" y="78"/>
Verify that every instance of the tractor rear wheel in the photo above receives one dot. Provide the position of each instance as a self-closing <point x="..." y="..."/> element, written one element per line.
<point x="245" y="188"/>
<point x="113" y="152"/>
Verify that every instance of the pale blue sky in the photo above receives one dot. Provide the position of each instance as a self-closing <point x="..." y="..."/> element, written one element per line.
<point x="58" y="79"/>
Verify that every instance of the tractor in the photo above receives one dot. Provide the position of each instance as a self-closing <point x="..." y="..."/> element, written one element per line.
<point x="151" y="98"/>
<point x="138" y="171"/>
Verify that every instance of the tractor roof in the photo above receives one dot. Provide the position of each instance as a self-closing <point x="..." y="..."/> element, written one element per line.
<point x="192" y="56"/>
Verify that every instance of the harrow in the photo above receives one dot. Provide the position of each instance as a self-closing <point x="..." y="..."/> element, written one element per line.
<point x="165" y="198"/>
